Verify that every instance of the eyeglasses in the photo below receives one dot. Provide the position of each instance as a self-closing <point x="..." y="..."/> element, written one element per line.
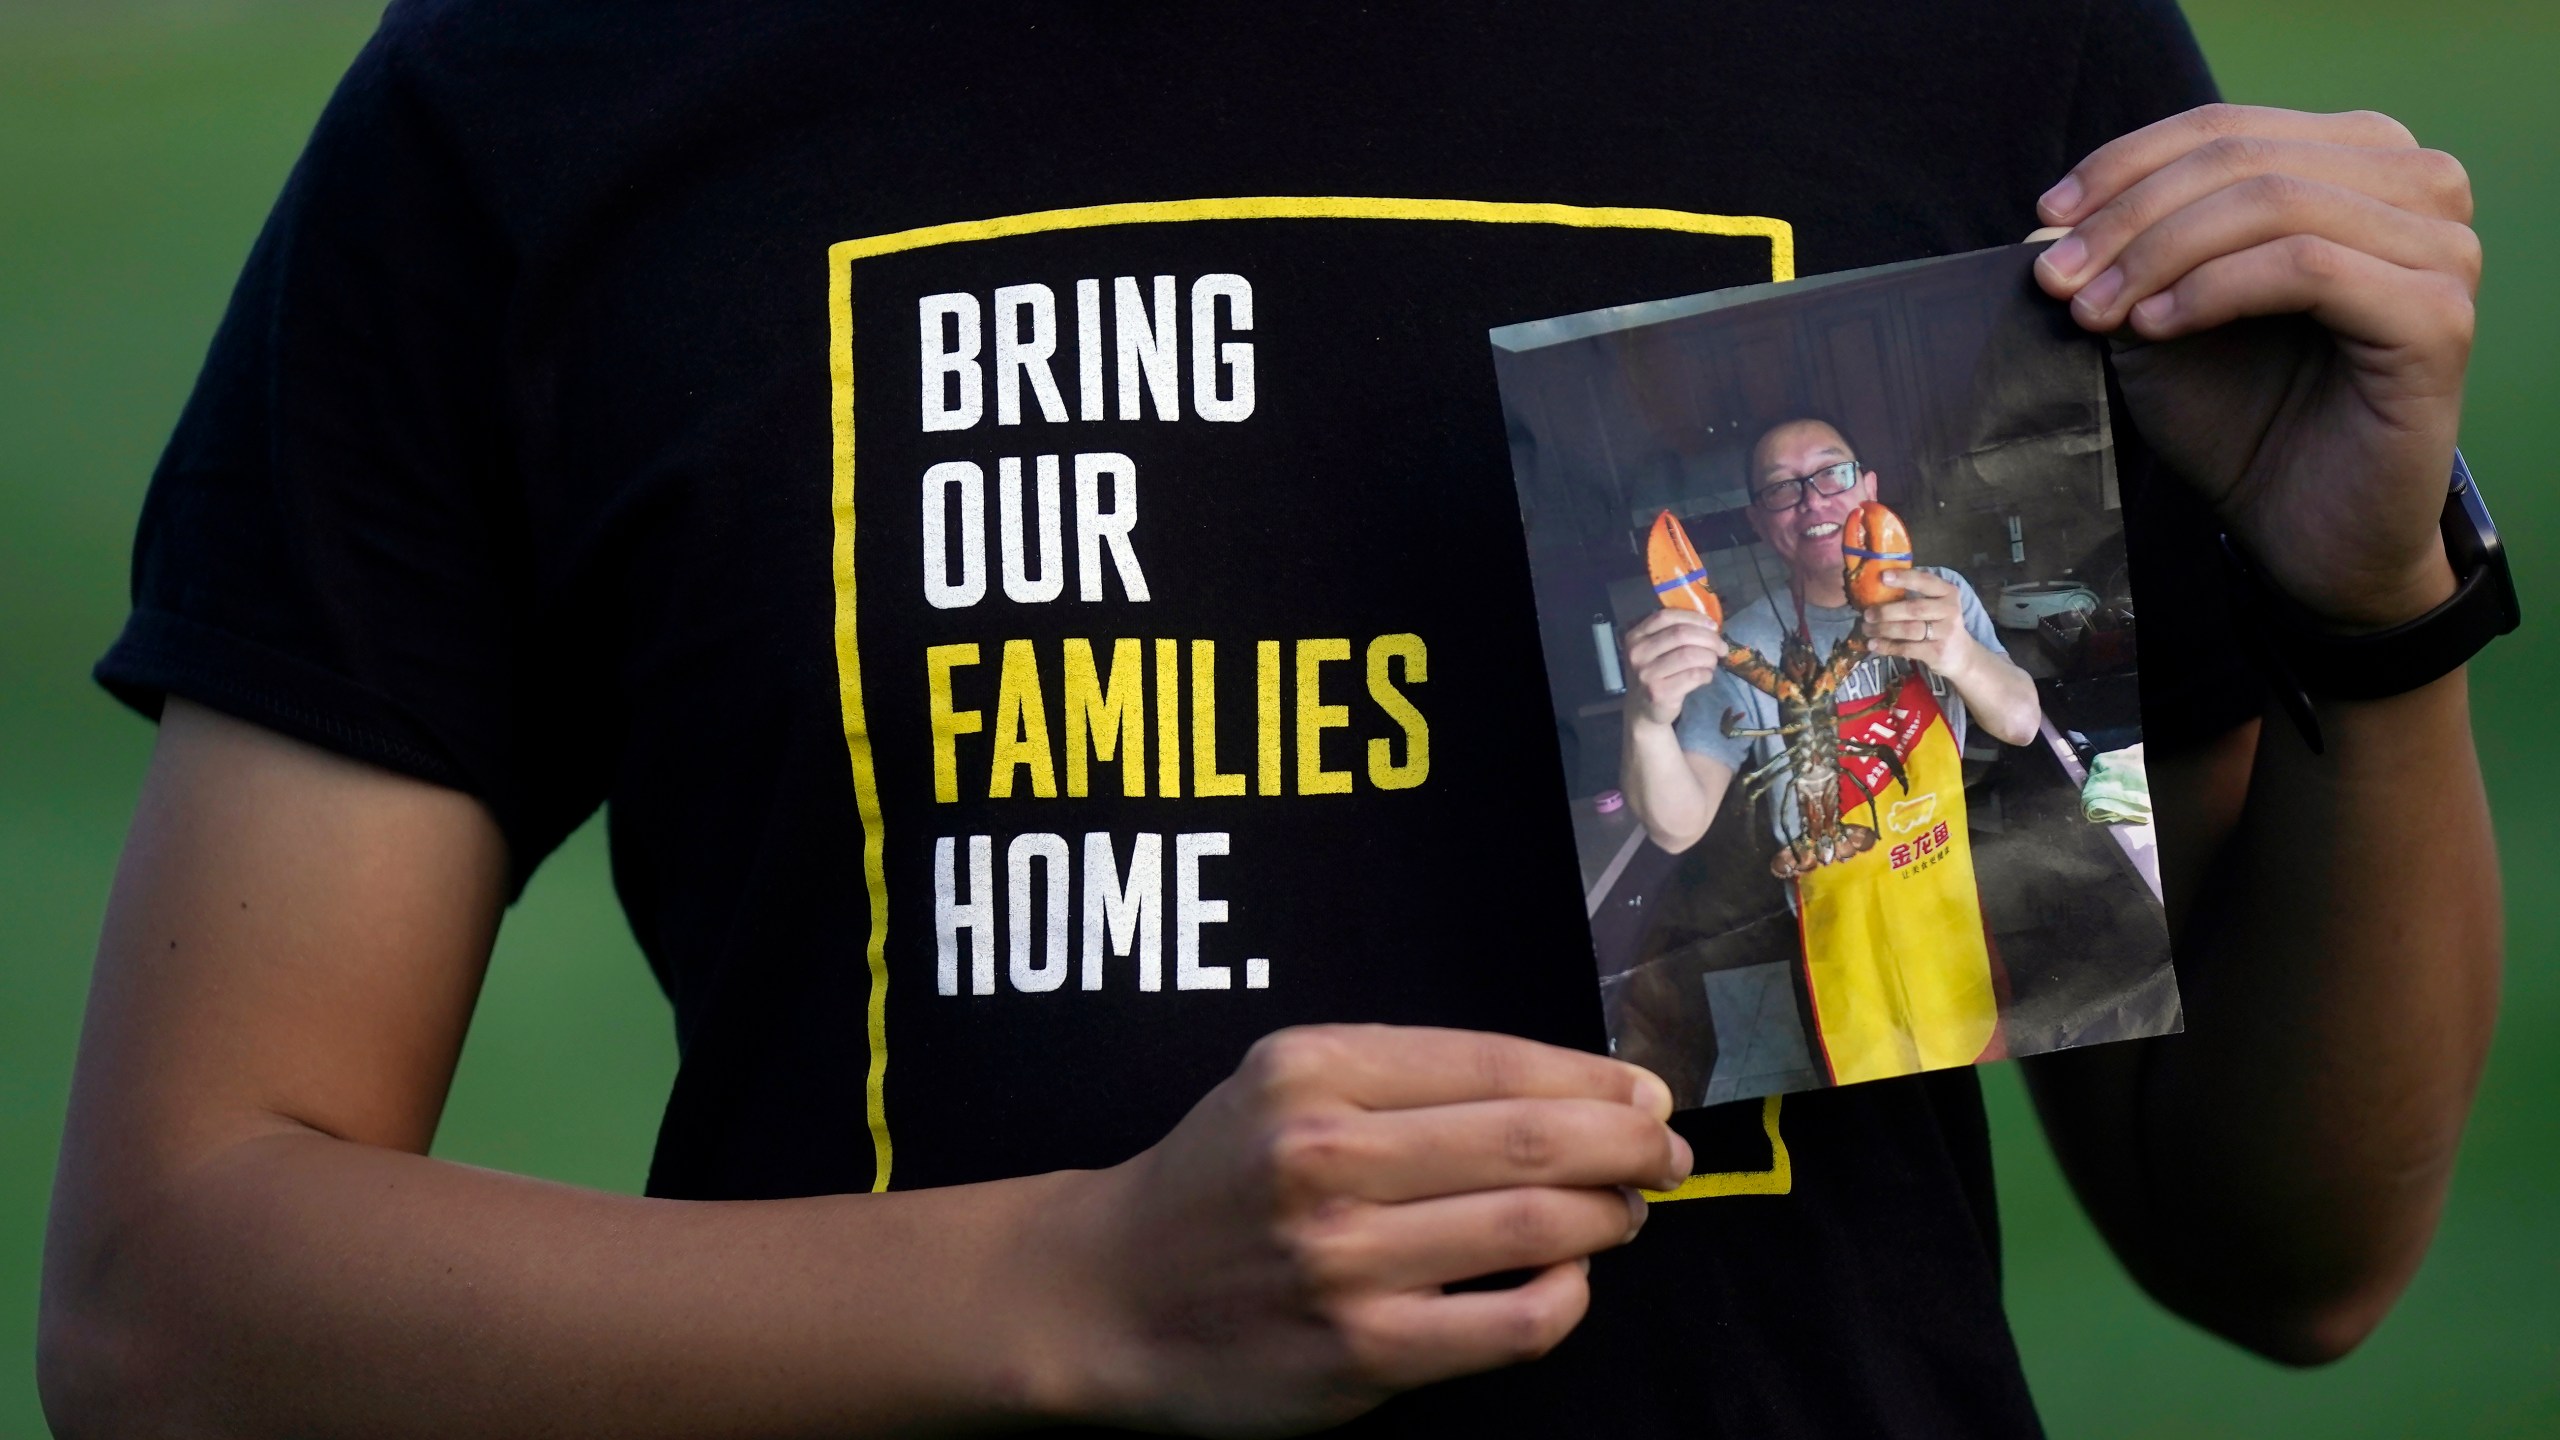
<point x="1785" y="495"/>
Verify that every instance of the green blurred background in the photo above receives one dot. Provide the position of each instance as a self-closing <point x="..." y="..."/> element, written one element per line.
<point x="140" y="145"/>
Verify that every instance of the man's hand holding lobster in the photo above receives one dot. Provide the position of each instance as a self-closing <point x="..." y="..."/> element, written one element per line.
<point x="1926" y="625"/>
<point x="1669" y="654"/>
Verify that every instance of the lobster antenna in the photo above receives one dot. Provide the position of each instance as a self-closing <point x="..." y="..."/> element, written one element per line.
<point x="1762" y="576"/>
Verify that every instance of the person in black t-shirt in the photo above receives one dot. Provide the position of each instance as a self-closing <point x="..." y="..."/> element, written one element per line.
<point x="1009" y="510"/>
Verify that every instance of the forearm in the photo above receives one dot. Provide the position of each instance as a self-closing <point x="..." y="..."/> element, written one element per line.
<point x="297" y="1284"/>
<point x="2000" y="696"/>
<point x="2339" y="964"/>
<point x="1666" y="792"/>
<point x="246" y="1240"/>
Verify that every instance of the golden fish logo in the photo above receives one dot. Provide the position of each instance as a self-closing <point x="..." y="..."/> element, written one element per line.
<point x="1909" y="815"/>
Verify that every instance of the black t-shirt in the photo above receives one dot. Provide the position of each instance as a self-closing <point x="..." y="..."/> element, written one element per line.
<point x="1032" y="650"/>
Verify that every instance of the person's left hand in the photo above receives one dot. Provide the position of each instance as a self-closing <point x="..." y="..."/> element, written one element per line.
<point x="1926" y="625"/>
<point x="2308" y="283"/>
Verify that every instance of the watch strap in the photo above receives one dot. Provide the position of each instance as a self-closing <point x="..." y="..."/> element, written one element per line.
<point x="2303" y="660"/>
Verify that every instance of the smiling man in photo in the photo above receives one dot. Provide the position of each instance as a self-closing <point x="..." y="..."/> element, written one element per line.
<point x="1805" y="481"/>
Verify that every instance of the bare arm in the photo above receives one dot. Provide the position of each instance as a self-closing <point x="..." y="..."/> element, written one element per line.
<point x="248" y="1239"/>
<point x="2000" y="696"/>
<point x="2276" y="1172"/>
<point x="1675" y="793"/>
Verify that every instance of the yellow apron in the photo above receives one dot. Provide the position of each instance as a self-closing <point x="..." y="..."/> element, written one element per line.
<point x="1894" y="950"/>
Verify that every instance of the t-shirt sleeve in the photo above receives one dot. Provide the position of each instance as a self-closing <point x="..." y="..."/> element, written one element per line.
<point x="332" y="546"/>
<point x="1969" y="607"/>
<point x="2138" y="63"/>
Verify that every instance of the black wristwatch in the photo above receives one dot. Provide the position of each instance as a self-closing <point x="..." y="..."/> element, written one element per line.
<point x="2303" y="660"/>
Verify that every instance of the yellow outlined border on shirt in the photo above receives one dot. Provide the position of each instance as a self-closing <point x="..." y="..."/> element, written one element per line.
<point x="857" y="730"/>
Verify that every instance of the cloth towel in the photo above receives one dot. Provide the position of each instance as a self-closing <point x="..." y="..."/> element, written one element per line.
<point x="2119" y="789"/>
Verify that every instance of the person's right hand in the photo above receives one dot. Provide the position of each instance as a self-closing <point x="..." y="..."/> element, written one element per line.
<point x="1670" y="653"/>
<point x="1276" y="1263"/>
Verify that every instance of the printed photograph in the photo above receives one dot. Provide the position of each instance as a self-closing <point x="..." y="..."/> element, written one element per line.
<point x="1839" y="632"/>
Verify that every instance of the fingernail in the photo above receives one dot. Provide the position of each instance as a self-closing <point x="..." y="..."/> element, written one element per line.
<point x="1635" y="1210"/>
<point x="2066" y="256"/>
<point x="1683" y="1159"/>
<point x="2156" y="310"/>
<point x="1585" y="1262"/>
<point x="2062" y="199"/>
<point x="2102" y="292"/>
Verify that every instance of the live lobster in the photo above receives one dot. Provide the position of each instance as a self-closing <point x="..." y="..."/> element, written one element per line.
<point x="1807" y="769"/>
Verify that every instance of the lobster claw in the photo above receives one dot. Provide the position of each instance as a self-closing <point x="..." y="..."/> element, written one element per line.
<point x="1679" y="576"/>
<point x="1872" y="541"/>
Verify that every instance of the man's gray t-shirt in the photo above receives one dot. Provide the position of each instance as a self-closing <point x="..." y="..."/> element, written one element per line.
<point x="1757" y="625"/>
